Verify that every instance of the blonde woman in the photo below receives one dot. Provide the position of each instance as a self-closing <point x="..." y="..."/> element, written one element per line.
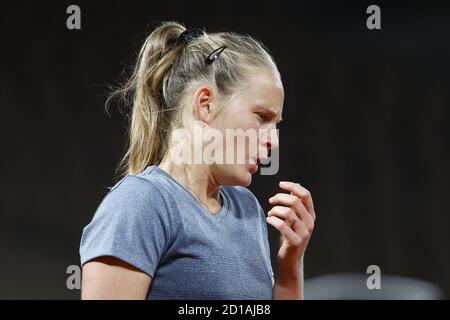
<point x="174" y="229"/>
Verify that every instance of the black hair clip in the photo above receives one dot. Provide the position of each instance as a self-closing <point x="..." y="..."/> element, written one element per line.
<point x="187" y="35"/>
<point x="213" y="55"/>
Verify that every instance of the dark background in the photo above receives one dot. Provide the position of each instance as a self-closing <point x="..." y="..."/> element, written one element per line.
<point x="365" y="128"/>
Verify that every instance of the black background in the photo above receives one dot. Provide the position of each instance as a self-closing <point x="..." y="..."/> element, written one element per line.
<point x="365" y="128"/>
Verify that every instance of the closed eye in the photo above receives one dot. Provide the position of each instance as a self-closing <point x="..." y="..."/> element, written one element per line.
<point x="260" y="116"/>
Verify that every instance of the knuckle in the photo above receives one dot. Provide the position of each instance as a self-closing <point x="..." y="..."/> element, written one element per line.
<point x="280" y="209"/>
<point x="298" y="241"/>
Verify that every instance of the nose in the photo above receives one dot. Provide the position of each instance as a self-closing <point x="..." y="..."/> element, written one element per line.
<point x="269" y="141"/>
<point x="272" y="141"/>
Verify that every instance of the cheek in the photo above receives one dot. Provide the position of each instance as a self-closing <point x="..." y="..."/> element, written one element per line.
<point x="241" y="146"/>
<point x="250" y="122"/>
<point x="244" y="120"/>
<point x="253" y="124"/>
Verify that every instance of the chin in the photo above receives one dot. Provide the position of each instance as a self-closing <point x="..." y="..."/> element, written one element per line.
<point x="238" y="175"/>
<point x="243" y="176"/>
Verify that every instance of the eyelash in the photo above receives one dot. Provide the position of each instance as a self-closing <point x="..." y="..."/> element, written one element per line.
<point x="262" y="118"/>
<point x="259" y="116"/>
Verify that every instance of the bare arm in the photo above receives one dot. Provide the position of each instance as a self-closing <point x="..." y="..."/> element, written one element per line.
<point x="109" y="278"/>
<point x="289" y="283"/>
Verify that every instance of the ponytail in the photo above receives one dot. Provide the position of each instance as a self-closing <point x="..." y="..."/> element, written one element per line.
<point x="150" y="119"/>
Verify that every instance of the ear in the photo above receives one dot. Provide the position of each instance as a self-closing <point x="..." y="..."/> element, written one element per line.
<point x="202" y="104"/>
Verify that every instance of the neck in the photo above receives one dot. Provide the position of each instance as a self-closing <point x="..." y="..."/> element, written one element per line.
<point x="198" y="180"/>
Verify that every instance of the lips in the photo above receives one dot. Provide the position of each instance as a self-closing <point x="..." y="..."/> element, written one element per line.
<point x="260" y="160"/>
<point x="253" y="168"/>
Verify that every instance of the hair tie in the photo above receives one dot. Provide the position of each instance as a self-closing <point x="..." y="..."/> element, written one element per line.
<point x="188" y="35"/>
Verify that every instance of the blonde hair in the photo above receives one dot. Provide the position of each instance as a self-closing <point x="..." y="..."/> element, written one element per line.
<point x="163" y="73"/>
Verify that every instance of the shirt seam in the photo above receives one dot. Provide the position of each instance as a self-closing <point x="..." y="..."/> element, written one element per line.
<point x="171" y="240"/>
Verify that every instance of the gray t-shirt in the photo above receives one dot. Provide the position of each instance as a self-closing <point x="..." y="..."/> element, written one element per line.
<point x="154" y="223"/>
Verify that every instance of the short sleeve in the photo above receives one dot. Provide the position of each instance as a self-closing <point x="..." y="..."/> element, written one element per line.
<point x="131" y="223"/>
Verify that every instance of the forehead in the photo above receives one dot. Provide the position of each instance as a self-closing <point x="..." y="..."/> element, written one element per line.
<point x="265" y="89"/>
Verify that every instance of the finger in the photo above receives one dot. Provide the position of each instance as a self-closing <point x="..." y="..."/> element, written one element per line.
<point x="285" y="230"/>
<point x="285" y="213"/>
<point x="302" y="193"/>
<point x="291" y="219"/>
<point x="302" y="229"/>
<point x="294" y="203"/>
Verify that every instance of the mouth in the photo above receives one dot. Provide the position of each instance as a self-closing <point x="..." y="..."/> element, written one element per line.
<point x="254" y="166"/>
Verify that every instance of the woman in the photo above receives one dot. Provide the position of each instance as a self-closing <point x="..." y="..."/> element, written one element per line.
<point x="172" y="229"/>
